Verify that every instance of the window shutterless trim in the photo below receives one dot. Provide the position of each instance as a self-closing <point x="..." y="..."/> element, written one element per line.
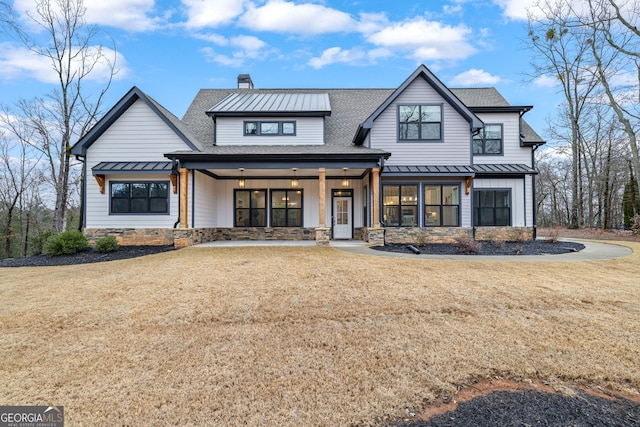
<point x="483" y="141"/>
<point x="280" y="123"/>
<point x="130" y="198"/>
<point x="442" y="205"/>
<point x="419" y="123"/>
<point x="400" y="205"/>
<point x="476" y="199"/>
<point x="286" y="208"/>
<point x="250" y="209"/>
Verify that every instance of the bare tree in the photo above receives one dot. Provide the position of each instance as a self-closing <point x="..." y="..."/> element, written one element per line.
<point x="67" y="112"/>
<point x="561" y="48"/>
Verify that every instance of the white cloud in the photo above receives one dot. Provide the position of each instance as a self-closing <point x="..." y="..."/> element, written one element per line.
<point x="515" y="9"/>
<point x="226" y="60"/>
<point x="249" y="47"/>
<point x="475" y="77"/>
<point x="281" y="16"/>
<point x="355" y="56"/>
<point x="218" y="39"/>
<point x="545" y="81"/>
<point x="205" y="13"/>
<point x="19" y="62"/>
<point x="426" y="40"/>
<point x="131" y="15"/>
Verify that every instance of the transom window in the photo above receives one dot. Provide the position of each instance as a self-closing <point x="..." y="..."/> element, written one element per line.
<point x="420" y="122"/>
<point x="286" y="208"/>
<point x="400" y="205"/>
<point x="488" y="140"/>
<point x="270" y="128"/>
<point x="138" y="197"/>
<point x="441" y="205"/>
<point x="250" y="208"/>
<point x="492" y="207"/>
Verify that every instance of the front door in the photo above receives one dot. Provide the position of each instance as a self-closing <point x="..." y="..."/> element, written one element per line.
<point x="342" y="213"/>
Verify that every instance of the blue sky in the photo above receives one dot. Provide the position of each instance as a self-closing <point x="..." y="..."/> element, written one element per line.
<point x="171" y="49"/>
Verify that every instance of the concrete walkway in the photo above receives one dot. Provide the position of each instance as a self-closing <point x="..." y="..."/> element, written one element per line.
<point x="592" y="251"/>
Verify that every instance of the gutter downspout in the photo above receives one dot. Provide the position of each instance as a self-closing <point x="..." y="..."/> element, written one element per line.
<point x="174" y="171"/>
<point x="533" y="192"/>
<point x="82" y="191"/>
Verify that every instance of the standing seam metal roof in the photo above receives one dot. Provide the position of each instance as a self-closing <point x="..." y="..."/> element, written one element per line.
<point x="273" y="103"/>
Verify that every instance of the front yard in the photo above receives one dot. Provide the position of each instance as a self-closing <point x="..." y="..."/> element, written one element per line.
<point x="306" y="335"/>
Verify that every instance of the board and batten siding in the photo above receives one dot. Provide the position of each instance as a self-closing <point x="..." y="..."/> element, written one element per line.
<point x="456" y="148"/>
<point x="513" y="153"/>
<point x="521" y="197"/>
<point x="309" y="131"/>
<point x="138" y="135"/>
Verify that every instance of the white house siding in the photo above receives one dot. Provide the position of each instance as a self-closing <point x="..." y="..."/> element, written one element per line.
<point x="230" y="131"/>
<point x="204" y="201"/>
<point x="456" y="148"/>
<point x="138" y="135"/>
<point x="520" y="216"/>
<point x="513" y="153"/>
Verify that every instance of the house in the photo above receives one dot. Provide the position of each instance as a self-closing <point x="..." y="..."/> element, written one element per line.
<point x="417" y="162"/>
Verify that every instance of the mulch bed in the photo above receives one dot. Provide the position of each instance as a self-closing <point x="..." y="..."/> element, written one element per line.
<point x="531" y="247"/>
<point x="537" y="408"/>
<point x="84" y="257"/>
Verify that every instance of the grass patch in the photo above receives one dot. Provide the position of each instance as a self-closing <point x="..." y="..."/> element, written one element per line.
<point x="304" y="336"/>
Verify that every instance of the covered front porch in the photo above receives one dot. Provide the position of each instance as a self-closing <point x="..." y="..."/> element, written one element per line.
<point x="319" y="196"/>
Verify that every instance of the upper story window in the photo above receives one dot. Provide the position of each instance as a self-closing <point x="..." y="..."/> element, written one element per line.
<point x="420" y="122"/>
<point x="488" y="140"/>
<point x="269" y="128"/>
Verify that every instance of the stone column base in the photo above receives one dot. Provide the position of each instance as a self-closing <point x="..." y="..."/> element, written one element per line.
<point x="375" y="236"/>
<point x="323" y="236"/>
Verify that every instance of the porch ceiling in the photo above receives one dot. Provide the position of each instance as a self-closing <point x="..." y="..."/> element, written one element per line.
<point x="286" y="173"/>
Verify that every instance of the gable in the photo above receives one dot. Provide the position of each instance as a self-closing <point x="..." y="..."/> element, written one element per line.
<point x="122" y="106"/>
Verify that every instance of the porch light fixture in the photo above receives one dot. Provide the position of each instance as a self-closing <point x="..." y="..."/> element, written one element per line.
<point x="345" y="180"/>
<point x="294" y="180"/>
<point x="241" y="180"/>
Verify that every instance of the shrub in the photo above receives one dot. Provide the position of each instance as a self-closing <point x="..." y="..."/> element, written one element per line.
<point x="66" y="243"/>
<point x="106" y="244"/>
<point x="554" y="234"/>
<point x="635" y="226"/>
<point x="468" y="245"/>
<point x="38" y="242"/>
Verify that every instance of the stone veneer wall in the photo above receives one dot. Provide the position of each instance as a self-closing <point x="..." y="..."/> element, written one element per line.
<point x="261" y="233"/>
<point x="509" y="234"/>
<point x="425" y="235"/>
<point x="132" y="236"/>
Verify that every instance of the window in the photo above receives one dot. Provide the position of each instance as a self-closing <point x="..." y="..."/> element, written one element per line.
<point x="269" y="128"/>
<point x="139" y="197"/>
<point x="488" y="140"/>
<point x="286" y="208"/>
<point x="400" y="205"/>
<point x="492" y="207"/>
<point x="441" y="205"/>
<point x="420" y="122"/>
<point x="250" y="208"/>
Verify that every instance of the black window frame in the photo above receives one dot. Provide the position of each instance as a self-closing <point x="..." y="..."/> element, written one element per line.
<point x="399" y="207"/>
<point x="258" y="127"/>
<point x="481" y="139"/>
<point x="130" y="198"/>
<point x="402" y="123"/>
<point x="286" y="207"/>
<point x="477" y="208"/>
<point x="251" y="210"/>
<point x="442" y="205"/>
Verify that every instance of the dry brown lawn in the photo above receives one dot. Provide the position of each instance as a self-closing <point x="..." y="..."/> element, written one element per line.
<point x="304" y="336"/>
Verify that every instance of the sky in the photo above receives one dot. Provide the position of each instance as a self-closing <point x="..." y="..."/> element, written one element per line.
<point x="171" y="49"/>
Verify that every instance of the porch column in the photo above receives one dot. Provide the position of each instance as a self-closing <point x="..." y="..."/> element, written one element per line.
<point x="375" y="197"/>
<point x="184" y="198"/>
<point x="322" y="202"/>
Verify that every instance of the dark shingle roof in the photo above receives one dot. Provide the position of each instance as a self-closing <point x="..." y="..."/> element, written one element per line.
<point x="480" y="97"/>
<point x="349" y="108"/>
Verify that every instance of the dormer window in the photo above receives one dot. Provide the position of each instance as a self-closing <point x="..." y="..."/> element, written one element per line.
<point x="270" y="128"/>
